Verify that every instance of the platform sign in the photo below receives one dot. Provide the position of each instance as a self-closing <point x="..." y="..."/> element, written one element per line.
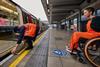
<point x="59" y="52"/>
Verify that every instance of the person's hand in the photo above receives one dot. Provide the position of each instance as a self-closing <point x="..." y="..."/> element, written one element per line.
<point x="13" y="50"/>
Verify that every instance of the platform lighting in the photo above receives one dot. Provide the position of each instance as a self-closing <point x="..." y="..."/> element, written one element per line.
<point x="48" y="10"/>
<point x="9" y="10"/>
<point x="6" y="9"/>
<point x="5" y="1"/>
<point x="47" y="1"/>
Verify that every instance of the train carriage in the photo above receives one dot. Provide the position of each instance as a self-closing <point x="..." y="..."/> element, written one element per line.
<point x="11" y="15"/>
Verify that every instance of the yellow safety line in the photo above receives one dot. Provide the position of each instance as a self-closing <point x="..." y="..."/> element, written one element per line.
<point x="19" y="58"/>
<point x="34" y="43"/>
<point x="21" y="51"/>
<point x="14" y="64"/>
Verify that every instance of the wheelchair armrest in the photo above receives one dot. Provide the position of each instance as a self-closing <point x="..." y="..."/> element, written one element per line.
<point x="83" y="40"/>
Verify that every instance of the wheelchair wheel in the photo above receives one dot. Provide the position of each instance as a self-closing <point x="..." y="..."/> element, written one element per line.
<point x="92" y="51"/>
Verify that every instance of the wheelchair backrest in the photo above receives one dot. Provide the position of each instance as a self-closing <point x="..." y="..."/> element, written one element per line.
<point x="95" y="24"/>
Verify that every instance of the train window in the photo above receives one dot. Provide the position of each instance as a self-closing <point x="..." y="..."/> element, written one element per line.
<point x="25" y="19"/>
<point x="98" y="12"/>
<point x="34" y="21"/>
<point x="8" y="14"/>
<point x="94" y="13"/>
<point x="75" y="21"/>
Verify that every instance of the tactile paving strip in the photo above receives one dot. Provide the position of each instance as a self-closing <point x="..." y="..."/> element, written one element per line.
<point x="39" y="57"/>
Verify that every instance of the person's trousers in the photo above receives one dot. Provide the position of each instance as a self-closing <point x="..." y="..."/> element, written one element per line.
<point x="77" y="35"/>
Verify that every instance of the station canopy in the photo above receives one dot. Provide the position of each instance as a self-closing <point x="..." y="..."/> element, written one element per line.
<point x="56" y="10"/>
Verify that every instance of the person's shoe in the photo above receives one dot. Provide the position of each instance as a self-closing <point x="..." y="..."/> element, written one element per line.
<point x="74" y="53"/>
<point x="68" y="49"/>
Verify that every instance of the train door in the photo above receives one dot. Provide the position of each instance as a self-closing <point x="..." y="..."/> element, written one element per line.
<point x="25" y="17"/>
<point x="98" y="12"/>
<point x="75" y="23"/>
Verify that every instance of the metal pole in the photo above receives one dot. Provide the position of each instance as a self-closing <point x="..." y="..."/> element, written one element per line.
<point x="50" y="14"/>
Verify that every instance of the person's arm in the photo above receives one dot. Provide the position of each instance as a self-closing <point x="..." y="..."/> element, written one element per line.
<point x="22" y="30"/>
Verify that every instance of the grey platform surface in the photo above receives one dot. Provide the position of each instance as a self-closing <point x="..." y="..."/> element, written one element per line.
<point x="58" y="40"/>
<point x="38" y="57"/>
<point x="43" y="56"/>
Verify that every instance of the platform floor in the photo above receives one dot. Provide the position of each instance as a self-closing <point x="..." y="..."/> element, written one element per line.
<point x="58" y="40"/>
<point x="43" y="55"/>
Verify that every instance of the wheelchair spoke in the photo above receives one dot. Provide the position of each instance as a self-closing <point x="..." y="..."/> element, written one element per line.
<point x="94" y="58"/>
<point x="94" y="55"/>
<point x="92" y="51"/>
<point x="97" y="60"/>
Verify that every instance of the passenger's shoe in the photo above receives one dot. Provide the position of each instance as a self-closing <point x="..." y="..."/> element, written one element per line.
<point x="73" y="53"/>
<point x="68" y="49"/>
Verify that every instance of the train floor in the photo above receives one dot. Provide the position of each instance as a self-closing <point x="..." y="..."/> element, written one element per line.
<point x="50" y="52"/>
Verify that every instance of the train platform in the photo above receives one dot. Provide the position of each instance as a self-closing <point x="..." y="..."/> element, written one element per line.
<point x="49" y="51"/>
<point x="7" y="42"/>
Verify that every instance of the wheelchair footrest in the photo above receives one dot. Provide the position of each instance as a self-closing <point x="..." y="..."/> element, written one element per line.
<point x="82" y="60"/>
<point x="81" y="57"/>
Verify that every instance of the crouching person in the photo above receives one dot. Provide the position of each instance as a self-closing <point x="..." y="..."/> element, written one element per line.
<point x="19" y="32"/>
<point x="30" y="29"/>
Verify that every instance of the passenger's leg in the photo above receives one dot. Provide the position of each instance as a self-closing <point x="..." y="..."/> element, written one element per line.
<point x="75" y="38"/>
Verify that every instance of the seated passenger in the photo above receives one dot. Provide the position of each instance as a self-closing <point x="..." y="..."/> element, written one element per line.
<point x="91" y="33"/>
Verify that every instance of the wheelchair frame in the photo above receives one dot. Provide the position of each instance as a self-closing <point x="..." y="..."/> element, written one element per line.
<point x="85" y="50"/>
